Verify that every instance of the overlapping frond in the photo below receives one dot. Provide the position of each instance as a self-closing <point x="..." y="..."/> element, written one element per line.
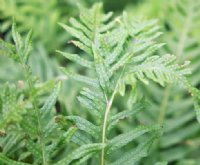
<point x="36" y="127"/>
<point x="173" y="107"/>
<point x="162" y="69"/>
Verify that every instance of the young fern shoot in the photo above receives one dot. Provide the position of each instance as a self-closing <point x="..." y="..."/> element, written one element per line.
<point x="118" y="50"/>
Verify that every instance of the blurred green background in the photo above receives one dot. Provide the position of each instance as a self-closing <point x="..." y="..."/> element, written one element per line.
<point x="179" y="21"/>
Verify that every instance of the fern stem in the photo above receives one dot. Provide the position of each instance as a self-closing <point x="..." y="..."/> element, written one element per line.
<point x="164" y="103"/>
<point x="108" y="107"/>
<point x="31" y="86"/>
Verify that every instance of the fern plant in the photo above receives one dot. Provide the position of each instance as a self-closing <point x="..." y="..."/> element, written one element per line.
<point x="28" y="128"/>
<point x="119" y="52"/>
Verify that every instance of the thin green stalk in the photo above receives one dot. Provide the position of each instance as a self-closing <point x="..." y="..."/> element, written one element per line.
<point x="164" y="104"/>
<point x="108" y="108"/>
<point x="31" y="86"/>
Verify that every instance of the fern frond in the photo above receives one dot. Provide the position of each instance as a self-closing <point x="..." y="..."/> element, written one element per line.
<point x="173" y="107"/>
<point x="50" y="102"/>
<point x="85" y="125"/>
<point x="76" y="58"/>
<point x="23" y="48"/>
<point x="87" y="80"/>
<point x="81" y="152"/>
<point x="136" y="154"/>
<point x="124" y="114"/>
<point x="123" y="139"/>
<point x="117" y="51"/>
<point x="80" y="138"/>
<point x="36" y="126"/>
<point x="162" y="69"/>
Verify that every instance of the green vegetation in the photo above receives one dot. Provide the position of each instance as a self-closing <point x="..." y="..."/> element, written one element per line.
<point x="86" y="86"/>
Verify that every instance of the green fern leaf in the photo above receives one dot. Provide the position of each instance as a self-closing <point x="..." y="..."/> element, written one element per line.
<point x="21" y="50"/>
<point x="102" y="71"/>
<point x="132" y="157"/>
<point x="65" y="139"/>
<point x="122" y="36"/>
<point x="50" y="102"/>
<point x="77" y="59"/>
<point x="90" y="105"/>
<point x="123" y="139"/>
<point x="89" y="81"/>
<point x="17" y="38"/>
<point x="161" y="70"/>
<point x="82" y="47"/>
<point x="148" y="52"/>
<point x="27" y="46"/>
<point x="81" y="152"/>
<point x="84" y="159"/>
<point x="11" y="142"/>
<point x="80" y="138"/>
<point x="78" y="25"/>
<point x="124" y="114"/>
<point x="85" y="125"/>
<point x="7" y="49"/>
<point x="4" y="159"/>
<point x="34" y="149"/>
<point x="78" y="34"/>
<point x="93" y="101"/>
